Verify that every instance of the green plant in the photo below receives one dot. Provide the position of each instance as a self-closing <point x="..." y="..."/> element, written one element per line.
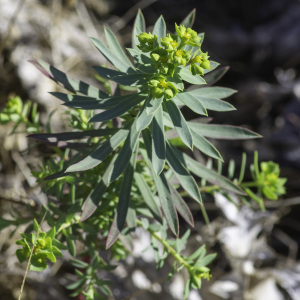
<point x="130" y="154"/>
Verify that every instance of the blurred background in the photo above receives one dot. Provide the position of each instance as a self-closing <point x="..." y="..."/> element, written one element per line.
<point x="258" y="39"/>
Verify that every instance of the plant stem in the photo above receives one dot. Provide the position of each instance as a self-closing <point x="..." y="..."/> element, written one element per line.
<point x="169" y="248"/>
<point x="31" y="253"/>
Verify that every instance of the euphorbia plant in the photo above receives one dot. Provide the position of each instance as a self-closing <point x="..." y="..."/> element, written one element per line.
<point x="134" y="159"/>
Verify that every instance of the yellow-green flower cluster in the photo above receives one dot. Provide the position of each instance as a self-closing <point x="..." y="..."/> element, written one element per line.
<point x="161" y="87"/>
<point x="169" y="55"/>
<point x="199" y="62"/>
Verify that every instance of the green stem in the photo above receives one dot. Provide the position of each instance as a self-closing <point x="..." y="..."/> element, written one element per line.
<point x="249" y="184"/>
<point x="31" y="253"/>
<point x="169" y="248"/>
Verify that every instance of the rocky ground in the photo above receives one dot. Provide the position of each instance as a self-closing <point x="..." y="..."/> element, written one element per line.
<point x="258" y="253"/>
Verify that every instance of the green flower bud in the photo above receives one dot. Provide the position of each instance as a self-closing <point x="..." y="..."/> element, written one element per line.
<point x="164" y="69"/>
<point x="205" y="64"/>
<point x="180" y="30"/>
<point x="169" y="42"/>
<point x="157" y="92"/>
<point x="146" y="41"/>
<point x="145" y="37"/>
<point x="154" y="83"/>
<point x="155" y="56"/>
<point x="196" y="70"/>
<point x="169" y="94"/>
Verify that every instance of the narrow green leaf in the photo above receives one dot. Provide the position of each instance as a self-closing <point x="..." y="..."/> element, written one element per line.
<point x="205" y="146"/>
<point x="153" y="104"/>
<point x="125" y="153"/>
<point x="112" y="58"/>
<point x="71" y="246"/>
<point x="186" y="75"/>
<point x="161" y="183"/>
<point x="77" y="284"/>
<point x="160" y="28"/>
<point x="223" y="131"/>
<point x="116" y="48"/>
<point x="205" y="261"/>
<point x="213" y="92"/>
<point x="136" y="79"/>
<point x="95" y="197"/>
<point x="143" y="119"/>
<point x="181" y="206"/>
<point x="100" y="154"/>
<point x="159" y="144"/>
<point x="118" y="110"/>
<point x="67" y="82"/>
<point x="207" y="174"/>
<point x="167" y="203"/>
<point x="176" y="81"/>
<point x="73" y="135"/>
<point x="179" y="123"/>
<point x="108" y="103"/>
<point x="35" y="225"/>
<point x="214" y="76"/>
<point x="192" y="102"/>
<point x="138" y="27"/>
<point x="188" y="21"/>
<point x="71" y="97"/>
<point x="182" y="174"/>
<point x="216" y="104"/>
<point x="123" y="204"/>
<point x="107" y="73"/>
<point x="200" y="252"/>
<point x="147" y="194"/>
<point x="139" y="56"/>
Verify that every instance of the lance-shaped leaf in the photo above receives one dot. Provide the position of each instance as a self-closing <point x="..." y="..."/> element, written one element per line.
<point x="206" y="173"/>
<point x="138" y="27"/>
<point x="192" y="102"/>
<point x="94" y="198"/>
<point x="107" y="73"/>
<point x="223" y="131"/>
<point x="160" y="28"/>
<point x="73" y="135"/>
<point x="216" y="104"/>
<point x="89" y="103"/>
<point x="123" y="204"/>
<point x="139" y="56"/>
<point x="167" y="203"/>
<point x="182" y="174"/>
<point x="110" y="56"/>
<point x="153" y="104"/>
<point x="205" y="146"/>
<point x="143" y="119"/>
<point x="67" y="82"/>
<point x="214" y="76"/>
<point x="161" y="183"/>
<point x="125" y="153"/>
<point x="179" y="123"/>
<point x="181" y="206"/>
<point x="71" y="97"/>
<point x="188" y="21"/>
<point x="118" y="110"/>
<point x="100" y="153"/>
<point x="186" y="75"/>
<point x="176" y="81"/>
<point x="146" y="194"/>
<point x="213" y="92"/>
<point x="136" y="79"/>
<point x="116" y="48"/>
<point x="159" y="143"/>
